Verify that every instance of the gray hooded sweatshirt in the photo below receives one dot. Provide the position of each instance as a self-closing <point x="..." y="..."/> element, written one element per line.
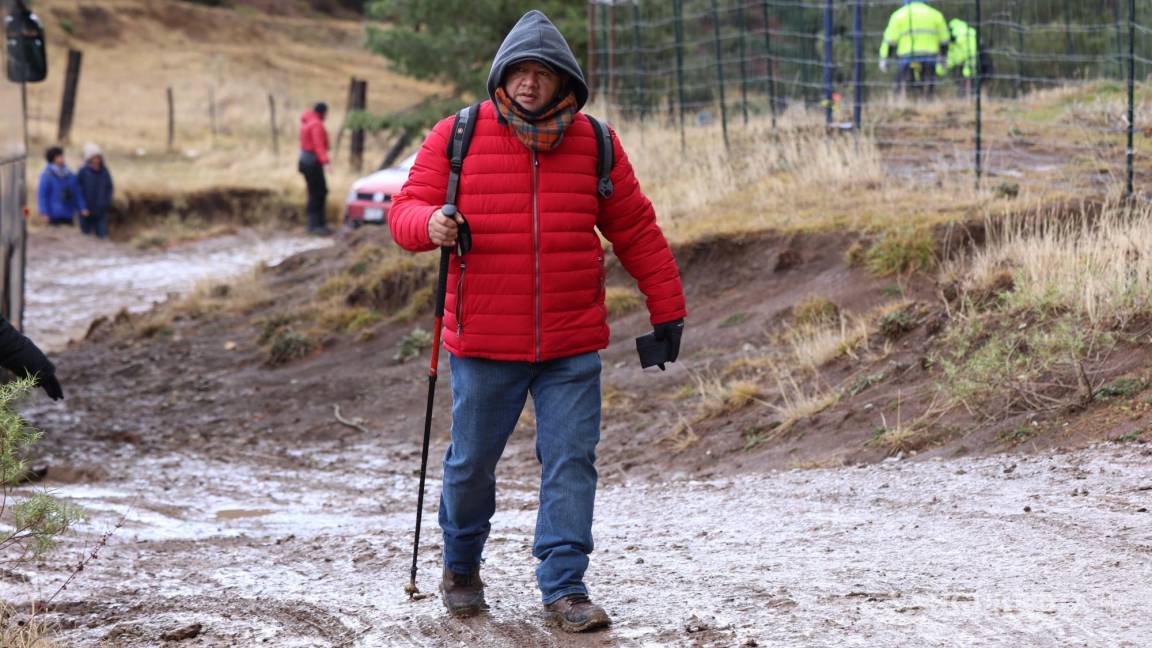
<point x="535" y="37"/>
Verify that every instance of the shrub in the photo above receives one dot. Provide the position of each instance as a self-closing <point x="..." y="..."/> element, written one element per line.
<point x="1041" y="368"/>
<point x="901" y="253"/>
<point x="270" y="326"/>
<point x="288" y="345"/>
<point x="33" y="523"/>
<point x="412" y="344"/>
<point x="815" y="311"/>
<point x="1122" y="387"/>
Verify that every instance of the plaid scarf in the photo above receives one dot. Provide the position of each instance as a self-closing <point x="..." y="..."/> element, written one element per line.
<point x="539" y="132"/>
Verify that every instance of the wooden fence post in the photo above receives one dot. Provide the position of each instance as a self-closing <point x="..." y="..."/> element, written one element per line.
<point x="344" y="122"/>
<point x="68" y="102"/>
<point x="275" y="129"/>
<point x="171" y="120"/>
<point x="359" y="103"/>
<point x="212" y="111"/>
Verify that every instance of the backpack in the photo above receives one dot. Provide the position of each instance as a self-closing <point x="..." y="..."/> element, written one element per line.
<point x="464" y="125"/>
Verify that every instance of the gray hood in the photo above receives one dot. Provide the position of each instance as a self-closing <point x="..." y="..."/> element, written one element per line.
<point x="535" y="37"/>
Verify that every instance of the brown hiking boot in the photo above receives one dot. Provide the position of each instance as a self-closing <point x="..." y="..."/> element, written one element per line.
<point x="575" y="613"/>
<point x="463" y="594"/>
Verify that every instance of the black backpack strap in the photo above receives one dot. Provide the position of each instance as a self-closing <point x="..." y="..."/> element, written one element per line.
<point x="462" y="128"/>
<point x="605" y="157"/>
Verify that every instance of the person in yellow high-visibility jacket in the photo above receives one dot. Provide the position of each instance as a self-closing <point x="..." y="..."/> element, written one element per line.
<point x="963" y="55"/>
<point x="919" y="37"/>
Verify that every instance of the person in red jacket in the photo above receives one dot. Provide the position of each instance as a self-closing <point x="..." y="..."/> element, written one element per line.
<point x="525" y="308"/>
<point x="312" y="163"/>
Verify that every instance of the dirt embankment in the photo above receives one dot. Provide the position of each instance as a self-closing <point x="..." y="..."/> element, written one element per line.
<point x="743" y="293"/>
<point x="237" y="207"/>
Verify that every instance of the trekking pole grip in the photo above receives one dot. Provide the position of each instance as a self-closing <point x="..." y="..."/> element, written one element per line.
<point x="449" y="211"/>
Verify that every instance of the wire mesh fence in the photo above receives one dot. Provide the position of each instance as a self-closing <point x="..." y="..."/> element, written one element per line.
<point x="1042" y="94"/>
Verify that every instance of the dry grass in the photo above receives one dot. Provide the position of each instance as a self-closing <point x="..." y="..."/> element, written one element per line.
<point x="620" y="300"/>
<point x="815" y="310"/>
<point x="681" y="436"/>
<point x="796" y="177"/>
<point x="801" y="177"/>
<point x="173" y="231"/>
<point x="719" y="396"/>
<point x="812" y="345"/>
<point x="21" y="630"/>
<point x="896" y="437"/>
<point x="1098" y="268"/>
<point x="242" y="294"/>
<point x="799" y="402"/>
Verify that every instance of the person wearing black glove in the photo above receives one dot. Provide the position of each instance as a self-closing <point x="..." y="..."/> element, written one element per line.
<point x="22" y="357"/>
<point x="662" y="345"/>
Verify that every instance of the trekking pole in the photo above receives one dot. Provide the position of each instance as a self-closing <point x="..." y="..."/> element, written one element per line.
<point x="441" y="288"/>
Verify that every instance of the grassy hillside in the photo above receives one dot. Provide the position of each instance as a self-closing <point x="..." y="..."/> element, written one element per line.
<point x="134" y="49"/>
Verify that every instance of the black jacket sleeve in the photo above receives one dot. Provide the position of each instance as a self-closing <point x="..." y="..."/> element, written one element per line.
<point x="20" y="356"/>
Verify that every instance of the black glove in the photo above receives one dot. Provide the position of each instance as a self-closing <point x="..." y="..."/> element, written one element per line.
<point x="52" y="387"/>
<point x="670" y="333"/>
<point x="660" y="346"/>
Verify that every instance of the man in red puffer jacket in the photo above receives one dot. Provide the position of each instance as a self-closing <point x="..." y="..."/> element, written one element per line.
<point x="525" y="307"/>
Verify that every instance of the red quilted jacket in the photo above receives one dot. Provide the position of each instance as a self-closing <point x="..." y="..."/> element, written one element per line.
<point x="313" y="137"/>
<point x="532" y="288"/>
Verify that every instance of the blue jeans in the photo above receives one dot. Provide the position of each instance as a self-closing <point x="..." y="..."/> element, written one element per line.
<point x="95" y="225"/>
<point x="487" y="398"/>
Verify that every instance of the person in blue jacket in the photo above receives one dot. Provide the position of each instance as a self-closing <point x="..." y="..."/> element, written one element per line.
<point x="59" y="196"/>
<point x="96" y="188"/>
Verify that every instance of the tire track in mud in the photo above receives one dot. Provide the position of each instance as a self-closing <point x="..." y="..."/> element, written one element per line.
<point x="290" y="623"/>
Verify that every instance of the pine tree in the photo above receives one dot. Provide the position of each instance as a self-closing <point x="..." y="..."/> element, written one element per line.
<point x="453" y="42"/>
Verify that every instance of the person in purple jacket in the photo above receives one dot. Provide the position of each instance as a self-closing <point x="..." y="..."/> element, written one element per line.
<point x="59" y="197"/>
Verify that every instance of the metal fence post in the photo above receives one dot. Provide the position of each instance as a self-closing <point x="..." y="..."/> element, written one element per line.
<point x="858" y="37"/>
<point x="828" y="9"/>
<point x="1018" y="25"/>
<point x="1068" y="29"/>
<point x="590" y="62"/>
<point x="605" y="60"/>
<point x="770" y="62"/>
<point x="678" y="11"/>
<point x="611" y="38"/>
<point x="639" y="60"/>
<point x="720" y="69"/>
<point x="1119" y="39"/>
<point x="741" y="18"/>
<point x="979" y="94"/>
<point x="1131" y="153"/>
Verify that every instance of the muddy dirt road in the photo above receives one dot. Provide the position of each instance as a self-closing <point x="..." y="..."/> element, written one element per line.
<point x="1049" y="551"/>
<point x="248" y="516"/>
<point x="72" y="279"/>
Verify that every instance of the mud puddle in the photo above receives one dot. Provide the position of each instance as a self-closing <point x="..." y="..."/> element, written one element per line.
<point x="1041" y="551"/>
<point x="73" y="279"/>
